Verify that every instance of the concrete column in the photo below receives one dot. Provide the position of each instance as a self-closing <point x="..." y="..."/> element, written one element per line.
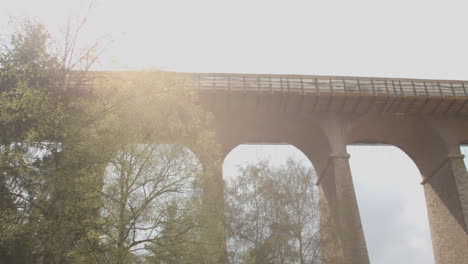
<point x="349" y="220"/>
<point x="330" y="243"/>
<point x="336" y="184"/>
<point x="212" y="216"/>
<point x="446" y="190"/>
<point x="336" y="187"/>
<point x="460" y="174"/>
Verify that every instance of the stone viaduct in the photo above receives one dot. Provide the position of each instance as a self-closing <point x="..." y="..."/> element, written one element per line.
<point x="320" y="115"/>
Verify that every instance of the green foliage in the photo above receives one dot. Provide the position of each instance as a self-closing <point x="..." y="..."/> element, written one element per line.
<point x="272" y="215"/>
<point x="128" y="171"/>
<point x="146" y="197"/>
<point x="57" y="138"/>
<point x="27" y="59"/>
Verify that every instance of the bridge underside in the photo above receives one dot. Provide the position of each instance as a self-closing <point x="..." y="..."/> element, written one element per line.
<point x="321" y="115"/>
<point x="428" y="129"/>
<point x="298" y="103"/>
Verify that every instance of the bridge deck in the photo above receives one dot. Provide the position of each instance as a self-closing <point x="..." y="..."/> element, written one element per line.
<point x="341" y="94"/>
<point x="330" y="93"/>
<point x="326" y="84"/>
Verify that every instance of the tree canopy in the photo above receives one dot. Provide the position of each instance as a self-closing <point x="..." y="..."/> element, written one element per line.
<point x="123" y="167"/>
<point x="61" y="136"/>
<point x="272" y="214"/>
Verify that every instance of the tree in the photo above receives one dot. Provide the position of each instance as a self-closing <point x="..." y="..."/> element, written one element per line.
<point x="45" y="214"/>
<point x="58" y="136"/>
<point x="147" y="191"/>
<point x="154" y="182"/>
<point x="272" y="214"/>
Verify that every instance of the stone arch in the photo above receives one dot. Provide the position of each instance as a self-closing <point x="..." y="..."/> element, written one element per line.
<point x="231" y="150"/>
<point x="316" y="148"/>
<point x="389" y="195"/>
<point x="440" y="168"/>
<point x="464" y="133"/>
<point x="414" y="137"/>
<point x="147" y="175"/>
<point x="276" y="152"/>
<point x="309" y="137"/>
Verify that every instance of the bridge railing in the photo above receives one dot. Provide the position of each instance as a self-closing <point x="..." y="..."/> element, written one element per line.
<point x="324" y="84"/>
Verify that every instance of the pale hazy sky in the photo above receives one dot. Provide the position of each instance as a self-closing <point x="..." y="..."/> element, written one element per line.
<point x="418" y="38"/>
<point x="387" y="38"/>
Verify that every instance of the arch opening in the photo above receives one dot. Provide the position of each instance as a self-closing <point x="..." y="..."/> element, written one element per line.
<point x="392" y="204"/>
<point x="150" y="196"/>
<point x="464" y="151"/>
<point x="271" y="204"/>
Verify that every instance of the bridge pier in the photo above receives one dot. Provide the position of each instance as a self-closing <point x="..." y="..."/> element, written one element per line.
<point x="445" y="181"/>
<point x="446" y="190"/>
<point x="340" y="214"/>
<point x="434" y="146"/>
<point x="338" y="198"/>
<point x="429" y="130"/>
<point x="212" y="207"/>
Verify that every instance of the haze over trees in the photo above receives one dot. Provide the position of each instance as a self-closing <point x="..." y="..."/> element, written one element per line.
<point x="272" y="214"/>
<point x="58" y="137"/>
<point x="125" y="171"/>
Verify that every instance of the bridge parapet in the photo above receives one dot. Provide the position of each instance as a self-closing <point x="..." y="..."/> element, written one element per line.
<point x="344" y="94"/>
<point x="329" y="93"/>
<point x="326" y="84"/>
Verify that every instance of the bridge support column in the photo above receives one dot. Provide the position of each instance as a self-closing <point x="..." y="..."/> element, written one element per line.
<point x="446" y="190"/>
<point x="337" y="192"/>
<point x="338" y="196"/>
<point x="213" y="234"/>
